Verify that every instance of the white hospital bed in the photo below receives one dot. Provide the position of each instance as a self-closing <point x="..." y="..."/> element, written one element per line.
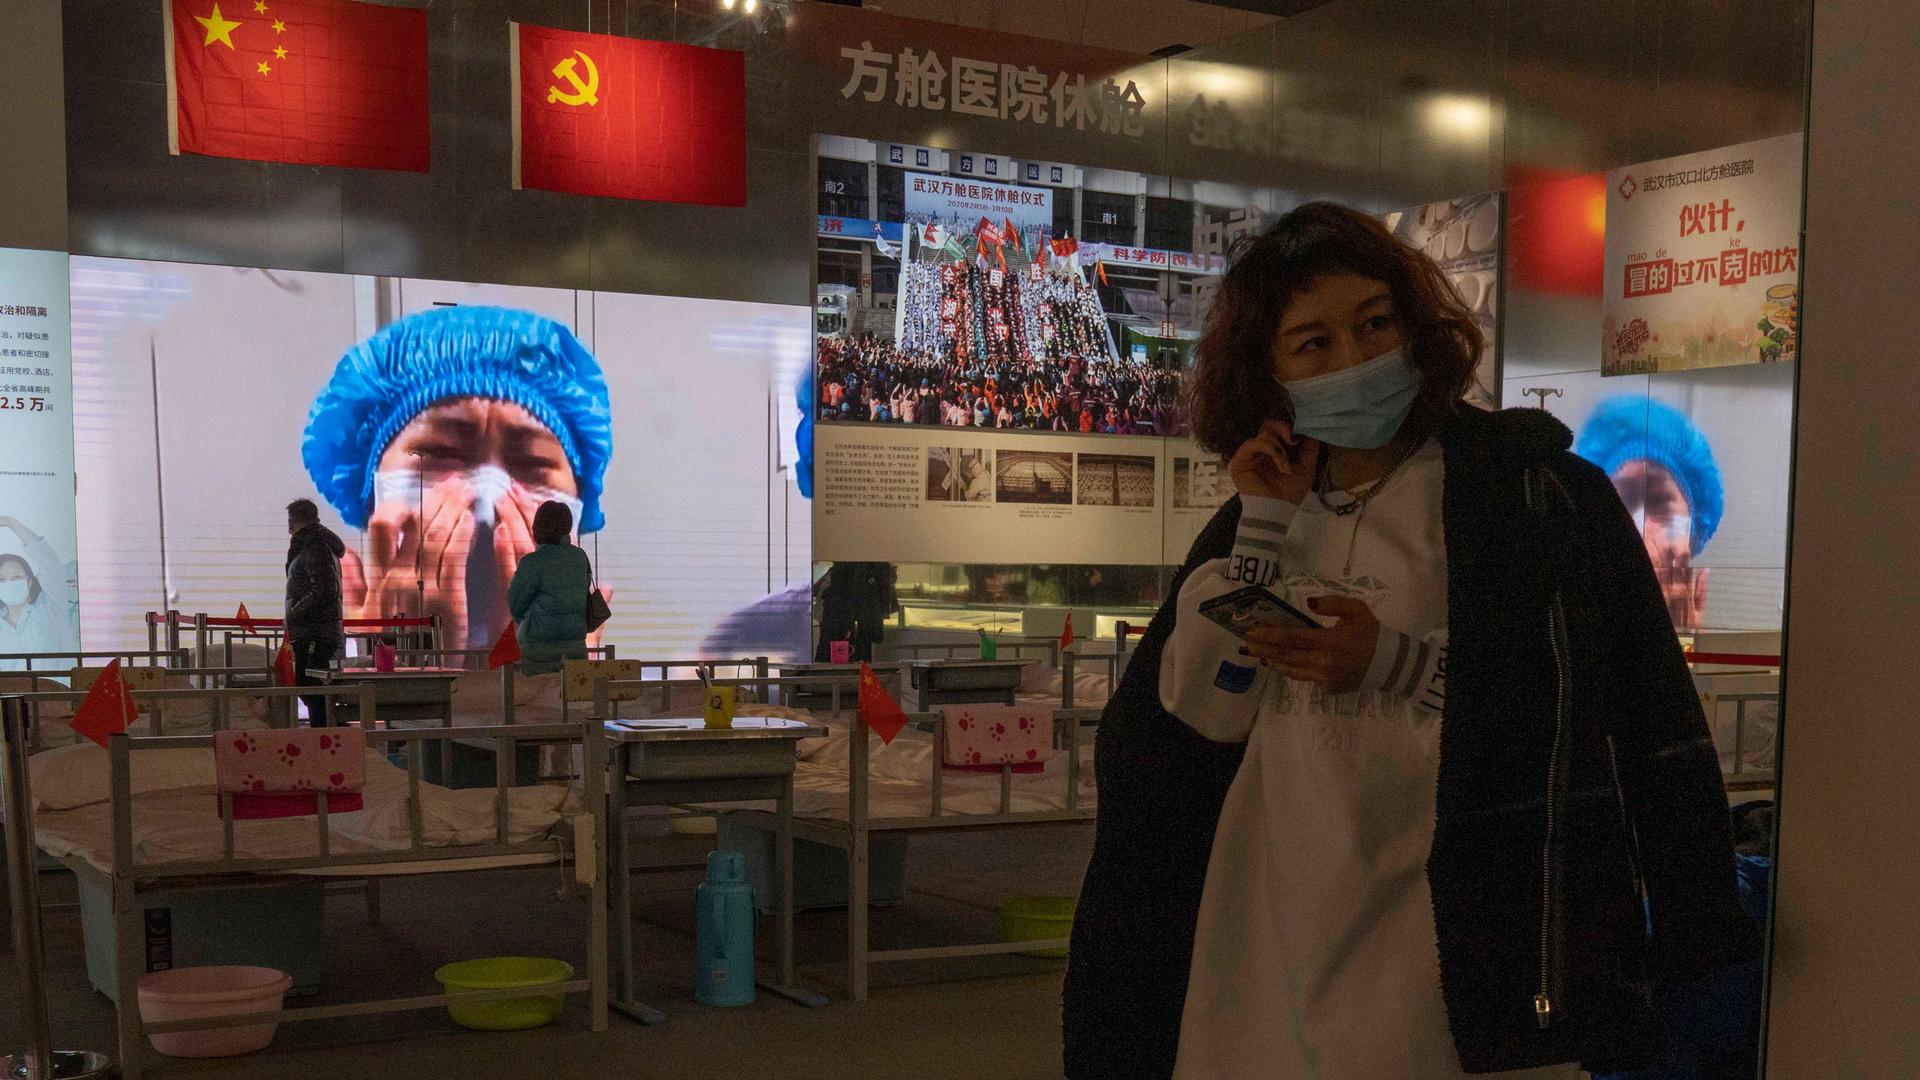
<point x="142" y="817"/>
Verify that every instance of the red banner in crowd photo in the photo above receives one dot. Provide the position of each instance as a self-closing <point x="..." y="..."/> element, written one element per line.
<point x="602" y="115"/>
<point x="310" y="82"/>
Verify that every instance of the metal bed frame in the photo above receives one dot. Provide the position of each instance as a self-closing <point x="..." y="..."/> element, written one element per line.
<point x="129" y="880"/>
<point x="855" y="834"/>
<point x="153" y="658"/>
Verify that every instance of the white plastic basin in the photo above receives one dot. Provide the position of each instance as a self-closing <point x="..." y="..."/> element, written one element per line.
<point x="191" y="993"/>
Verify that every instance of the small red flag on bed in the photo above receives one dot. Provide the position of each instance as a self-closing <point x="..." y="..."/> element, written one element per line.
<point x="283" y="672"/>
<point x="245" y="620"/>
<point x="878" y="710"/>
<point x="505" y="651"/>
<point x="108" y="707"/>
<point x="1066" y="636"/>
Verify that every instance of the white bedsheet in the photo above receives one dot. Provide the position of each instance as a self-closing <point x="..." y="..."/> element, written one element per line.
<point x="900" y="779"/>
<point x="183" y="824"/>
<point x="1091" y="685"/>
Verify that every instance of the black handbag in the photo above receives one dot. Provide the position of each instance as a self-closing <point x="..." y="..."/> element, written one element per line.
<point x="597" y="610"/>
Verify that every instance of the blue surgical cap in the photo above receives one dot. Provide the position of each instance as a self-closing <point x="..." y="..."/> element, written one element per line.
<point x="442" y="355"/>
<point x="803" y="435"/>
<point x="1634" y="428"/>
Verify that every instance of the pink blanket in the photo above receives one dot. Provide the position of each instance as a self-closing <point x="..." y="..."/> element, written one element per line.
<point x="985" y="737"/>
<point x="276" y="774"/>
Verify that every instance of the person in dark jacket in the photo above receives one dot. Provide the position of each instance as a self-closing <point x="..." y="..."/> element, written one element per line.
<point x="315" y="631"/>
<point x="548" y="595"/>
<point x="1466" y="820"/>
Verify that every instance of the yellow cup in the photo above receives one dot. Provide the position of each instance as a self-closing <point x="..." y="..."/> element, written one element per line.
<point x="719" y="706"/>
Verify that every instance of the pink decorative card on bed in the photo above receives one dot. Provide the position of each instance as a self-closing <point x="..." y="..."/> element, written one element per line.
<point x="985" y="737"/>
<point x="276" y="774"/>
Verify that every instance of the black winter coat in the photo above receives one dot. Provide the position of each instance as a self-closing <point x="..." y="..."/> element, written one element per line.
<point x="313" y="585"/>
<point x="1576" y="776"/>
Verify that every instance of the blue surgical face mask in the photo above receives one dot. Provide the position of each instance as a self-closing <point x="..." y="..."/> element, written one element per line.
<point x="1357" y="408"/>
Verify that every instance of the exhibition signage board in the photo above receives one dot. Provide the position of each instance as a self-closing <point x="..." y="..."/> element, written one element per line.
<point x="309" y="82"/>
<point x="962" y="495"/>
<point x="897" y="80"/>
<point x="958" y="203"/>
<point x="597" y="114"/>
<point x="37" y="530"/>
<point x="1703" y="260"/>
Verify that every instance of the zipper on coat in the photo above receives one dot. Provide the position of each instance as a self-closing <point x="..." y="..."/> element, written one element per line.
<point x="1543" y="1003"/>
<point x="1626" y="822"/>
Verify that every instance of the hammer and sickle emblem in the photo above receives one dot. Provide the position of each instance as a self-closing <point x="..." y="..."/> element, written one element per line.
<point x="585" y="92"/>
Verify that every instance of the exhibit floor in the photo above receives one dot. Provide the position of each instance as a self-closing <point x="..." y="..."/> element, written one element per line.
<point x="988" y="1019"/>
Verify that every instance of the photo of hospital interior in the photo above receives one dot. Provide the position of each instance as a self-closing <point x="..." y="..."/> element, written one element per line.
<point x="1105" y="539"/>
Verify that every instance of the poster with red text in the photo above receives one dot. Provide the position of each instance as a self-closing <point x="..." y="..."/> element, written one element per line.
<point x="1703" y="260"/>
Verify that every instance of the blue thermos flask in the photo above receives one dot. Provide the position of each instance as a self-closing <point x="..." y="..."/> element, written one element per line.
<point x="725" y="946"/>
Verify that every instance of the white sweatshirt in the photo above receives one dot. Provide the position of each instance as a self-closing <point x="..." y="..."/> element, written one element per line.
<point x="1316" y="954"/>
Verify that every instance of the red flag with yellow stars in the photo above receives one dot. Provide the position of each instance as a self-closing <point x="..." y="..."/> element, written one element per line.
<point x="597" y="114"/>
<point x="310" y="82"/>
<point x="878" y="710"/>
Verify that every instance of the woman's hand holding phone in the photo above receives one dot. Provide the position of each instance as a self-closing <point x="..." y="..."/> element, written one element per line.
<point x="1275" y="463"/>
<point x="1336" y="657"/>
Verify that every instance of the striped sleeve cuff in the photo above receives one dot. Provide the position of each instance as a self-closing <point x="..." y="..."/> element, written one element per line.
<point x="1406" y="667"/>
<point x="1258" y="544"/>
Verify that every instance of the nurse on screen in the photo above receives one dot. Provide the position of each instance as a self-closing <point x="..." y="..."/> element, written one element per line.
<point x="440" y="436"/>
<point x="36" y="602"/>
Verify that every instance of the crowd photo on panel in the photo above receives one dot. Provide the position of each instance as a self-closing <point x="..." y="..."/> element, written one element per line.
<point x="871" y="379"/>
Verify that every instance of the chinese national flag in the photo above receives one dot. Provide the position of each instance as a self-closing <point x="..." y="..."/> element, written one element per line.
<point x="311" y="82"/>
<point x="596" y="114"/>
<point x="1066" y="636"/>
<point x="506" y="650"/>
<point x="283" y="673"/>
<point x="108" y="707"/>
<point x="245" y="620"/>
<point x="878" y="710"/>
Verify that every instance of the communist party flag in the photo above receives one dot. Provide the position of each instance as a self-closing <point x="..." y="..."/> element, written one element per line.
<point x="878" y="710"/>
<point x="311" y="82"/>
<point x="596" y="114"/>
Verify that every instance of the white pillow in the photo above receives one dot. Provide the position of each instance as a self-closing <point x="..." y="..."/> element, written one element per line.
<point x="74" y="776"/>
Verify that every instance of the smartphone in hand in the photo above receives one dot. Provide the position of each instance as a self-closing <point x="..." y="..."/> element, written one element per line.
<point x="1238" y="612"/>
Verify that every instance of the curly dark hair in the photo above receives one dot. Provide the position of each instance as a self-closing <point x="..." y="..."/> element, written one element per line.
<point x="1232" y="388"/>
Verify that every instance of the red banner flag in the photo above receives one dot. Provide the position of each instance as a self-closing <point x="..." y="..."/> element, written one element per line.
<point x="506" y="650"/>
<point x="878" y="710"/>
<point x="1100" y="268"/>
<point x="107" y="709"/>
<point x="245" y="620"/>
<point x="1066" y="636"/>
<point x="283" y="672"/>
<point x="311" y="82"/>
<point x="1011" y="233"/>
<point x="596" y="114"/>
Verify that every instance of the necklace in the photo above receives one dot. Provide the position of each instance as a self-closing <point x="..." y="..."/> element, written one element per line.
<point x="1356" y="506"/>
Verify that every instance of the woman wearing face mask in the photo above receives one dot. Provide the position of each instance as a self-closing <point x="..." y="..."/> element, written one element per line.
<point x="548" y="596"/>
<point x="35" y="604"/>
<point x="1412" y="840"/>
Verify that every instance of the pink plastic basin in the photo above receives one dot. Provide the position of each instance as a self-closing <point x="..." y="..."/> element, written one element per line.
<point x="191" y="993"/>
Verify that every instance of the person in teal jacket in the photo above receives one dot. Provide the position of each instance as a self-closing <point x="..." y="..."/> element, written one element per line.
<point x="548" y="596"/>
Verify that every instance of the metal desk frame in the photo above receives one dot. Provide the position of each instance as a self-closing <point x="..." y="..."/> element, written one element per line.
<point x="626" y="788"/>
